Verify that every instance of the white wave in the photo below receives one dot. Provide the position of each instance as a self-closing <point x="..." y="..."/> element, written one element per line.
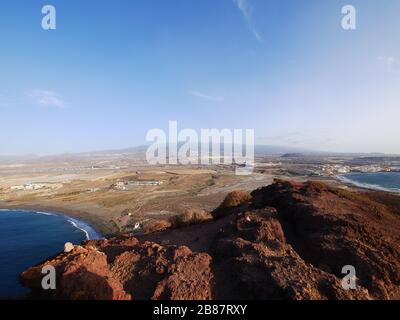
<point x="74" y="224"/>
<point x="16" y="210"/>
<point x="45" y="213"/>
<point x="366" y="185"/>
<point x="89" y="231"/>
<point x="28" y="211"/>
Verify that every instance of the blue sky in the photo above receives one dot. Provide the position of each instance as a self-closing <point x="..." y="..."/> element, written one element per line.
<point x="112" y="70"/>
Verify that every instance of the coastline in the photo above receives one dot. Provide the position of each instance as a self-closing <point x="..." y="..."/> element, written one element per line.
<point x="91" y="220"/>
<point x="90" y="232"/>
<point x="101" y="220"/>
<point x="365" y="186"/>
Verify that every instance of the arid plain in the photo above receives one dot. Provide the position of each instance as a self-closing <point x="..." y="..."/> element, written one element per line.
<point x="118" y="193"/>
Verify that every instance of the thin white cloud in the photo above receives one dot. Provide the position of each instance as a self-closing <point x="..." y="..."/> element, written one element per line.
<point x="247" y="11"/>
<point x="45" y="98"/>
<point x="388" y="63"/>
<point x="205" y="97"/>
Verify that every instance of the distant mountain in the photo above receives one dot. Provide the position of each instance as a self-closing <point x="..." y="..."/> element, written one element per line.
<point x="260" y="150"/>
<point x="140" y="151"/>
<point x="17" y="158"/>
<point x="133" y="150"/>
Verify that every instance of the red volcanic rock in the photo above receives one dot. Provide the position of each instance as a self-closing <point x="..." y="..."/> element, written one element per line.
<point x="122" y="268"/>
<point x="190" y="279"/>
<point x="290" y="242"/>
<point x="82" y="274"/>
<point x="330" y="228"/>
<point x="260" y="264"/>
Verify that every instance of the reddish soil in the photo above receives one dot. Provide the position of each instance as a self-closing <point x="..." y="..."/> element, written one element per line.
<point x="287" y="241"/>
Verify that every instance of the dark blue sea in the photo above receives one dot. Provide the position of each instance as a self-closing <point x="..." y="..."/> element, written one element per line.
<point x="385" y="181"/>
<point x="29" y="237"/>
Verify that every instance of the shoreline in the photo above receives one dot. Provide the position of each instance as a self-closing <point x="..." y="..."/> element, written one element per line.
<point x="365" y="186"/>
<point x="102" y="223"/>
<point x="90" y="232"/>
<point x="99" y="225"/>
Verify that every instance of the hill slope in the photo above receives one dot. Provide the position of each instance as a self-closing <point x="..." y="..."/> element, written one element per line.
<point x="290" y="241"/>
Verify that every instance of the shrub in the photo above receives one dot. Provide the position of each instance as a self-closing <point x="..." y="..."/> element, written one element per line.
<point x="235" y="198"/>
<point x="190" y="217"/>
<point x="156" y="226"/>
<point x="317" y="186"/>
<point x="232" y="200"/>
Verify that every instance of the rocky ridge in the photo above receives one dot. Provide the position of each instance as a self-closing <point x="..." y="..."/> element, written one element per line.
<point x="286" y="241"/>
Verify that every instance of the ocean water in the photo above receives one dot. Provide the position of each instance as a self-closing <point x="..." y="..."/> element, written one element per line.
<point x="385" y="181"/>
<point x="29" y="237"/>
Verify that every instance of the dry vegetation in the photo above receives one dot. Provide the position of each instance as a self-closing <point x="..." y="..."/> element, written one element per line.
<point x="156" y="226"/>
<point x="391" y="201"/>
<point x="380" y="203"/>
<point x="190" y="217"/>
<point x="232" y="200"/>
<point x="86" y="189"/>
<point x="235" y="198"/>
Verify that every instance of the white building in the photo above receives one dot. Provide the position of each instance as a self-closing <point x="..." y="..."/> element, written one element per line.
<point x="28" y="187"/>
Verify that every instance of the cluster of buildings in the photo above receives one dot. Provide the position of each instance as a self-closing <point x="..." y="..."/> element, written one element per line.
<point x="330" y="169"/>
<point x="124" y="185"/>
<point x="333" y="169"/>
<point x="121" y="186"/>
<point x="371" y="168"/>
<point x="29" y="187"/>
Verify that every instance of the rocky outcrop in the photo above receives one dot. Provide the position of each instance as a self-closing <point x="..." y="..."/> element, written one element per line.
<point x="259" y="263"/>
<point x="331" y="228"/>
<point x="81" y="274"/>
<point x="123" y="269"/>
<point x="286" y="241"/>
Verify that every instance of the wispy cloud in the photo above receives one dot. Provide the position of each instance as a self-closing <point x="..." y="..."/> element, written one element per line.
<point x="247" y="12"/>
<point x="45" y="98"/>
<point x="205" y="97"/>
<point x="388" y="63"/>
